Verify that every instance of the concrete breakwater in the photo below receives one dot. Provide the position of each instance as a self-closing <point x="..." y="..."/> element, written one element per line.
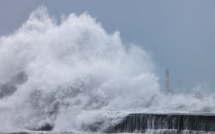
<point x="166" y="123"/>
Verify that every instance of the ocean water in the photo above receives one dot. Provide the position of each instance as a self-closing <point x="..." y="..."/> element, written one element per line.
<point x="76" y="77"/>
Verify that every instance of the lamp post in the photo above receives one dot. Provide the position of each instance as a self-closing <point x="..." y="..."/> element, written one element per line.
<point x="167" y="80"/>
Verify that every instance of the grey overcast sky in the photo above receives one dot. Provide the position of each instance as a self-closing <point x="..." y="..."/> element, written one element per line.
<point x="179" y="34"/>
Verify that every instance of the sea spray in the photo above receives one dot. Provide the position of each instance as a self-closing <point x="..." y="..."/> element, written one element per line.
<point x="74" y="73"/>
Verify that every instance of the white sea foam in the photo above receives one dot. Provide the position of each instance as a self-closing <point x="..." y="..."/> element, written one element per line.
<point x="75" y="76"/>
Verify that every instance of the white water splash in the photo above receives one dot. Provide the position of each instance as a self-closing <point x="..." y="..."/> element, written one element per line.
<point x="75" y="76"/>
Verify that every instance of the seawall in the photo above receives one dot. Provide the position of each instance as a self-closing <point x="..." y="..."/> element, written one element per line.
<point x="168" y="123"/>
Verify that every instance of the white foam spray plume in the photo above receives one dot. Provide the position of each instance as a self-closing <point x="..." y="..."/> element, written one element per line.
<point x="75" y="76"/>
